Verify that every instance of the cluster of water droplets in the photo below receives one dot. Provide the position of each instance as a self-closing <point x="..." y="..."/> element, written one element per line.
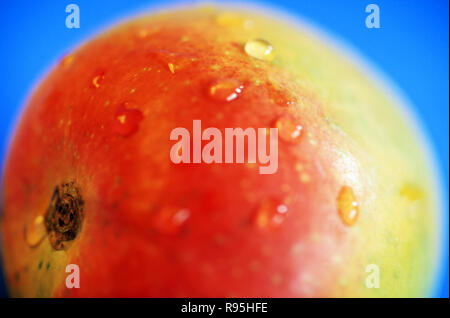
<point x="270" y="213"/>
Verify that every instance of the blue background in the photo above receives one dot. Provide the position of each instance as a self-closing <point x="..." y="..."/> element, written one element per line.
<point x="412" y="48"/>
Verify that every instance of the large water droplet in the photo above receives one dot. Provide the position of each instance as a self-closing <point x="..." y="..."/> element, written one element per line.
<point x="225" y="89"/>
<point x="288" y="129"/>
<point x="260" y="49"/>
<point x="270" y="214"/>
<point x="347" y="206"/>
<point x="170" y="220"/>
<point x="35" y="231"/>
<point x="127" y="121"/>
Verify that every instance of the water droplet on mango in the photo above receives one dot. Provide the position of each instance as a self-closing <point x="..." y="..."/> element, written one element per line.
<point x="171" y="68"/>
<point x="173" y="61"/>
<point x="260" y="49"/>
<point x="225" y="90"/>
<point x="347" y="206"/>
<point x="97" y="80"/>
<point x="127" y="121"/>
<point x="288" y="129"/>
<point x="35" y="231"/>
<point x="170" y="220"/>
<point x="270" y="214"/>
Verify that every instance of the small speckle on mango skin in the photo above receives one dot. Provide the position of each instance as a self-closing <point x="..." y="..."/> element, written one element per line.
<point x="163" y="64"/>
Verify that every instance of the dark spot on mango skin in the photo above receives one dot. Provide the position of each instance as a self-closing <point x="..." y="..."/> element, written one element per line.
<point x="64" y="215"/>
<point x="40" y="264"/>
